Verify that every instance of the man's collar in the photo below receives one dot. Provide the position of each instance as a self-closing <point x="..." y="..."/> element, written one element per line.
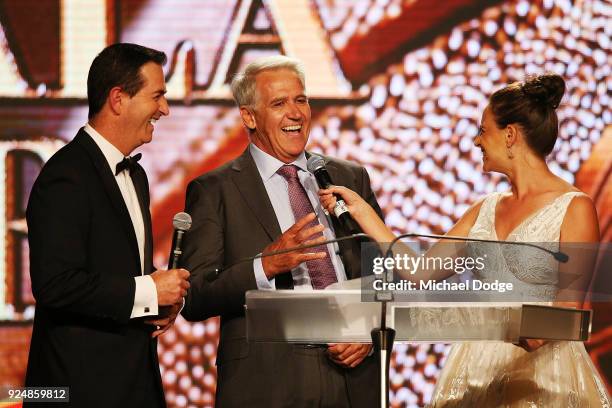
<point x="110" y="152"/>
<point x="268" y="165"/>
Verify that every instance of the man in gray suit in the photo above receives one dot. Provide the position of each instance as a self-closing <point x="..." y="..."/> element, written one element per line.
<point x="266" y="200"/>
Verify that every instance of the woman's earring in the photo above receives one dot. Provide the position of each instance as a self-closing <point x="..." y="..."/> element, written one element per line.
<point x="509" y="152"/>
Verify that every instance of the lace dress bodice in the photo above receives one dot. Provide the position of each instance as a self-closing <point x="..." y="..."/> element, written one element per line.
<point x="533" y="273"/>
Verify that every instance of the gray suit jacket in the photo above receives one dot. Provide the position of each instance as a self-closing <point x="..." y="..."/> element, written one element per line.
<point x="234" y="219"/>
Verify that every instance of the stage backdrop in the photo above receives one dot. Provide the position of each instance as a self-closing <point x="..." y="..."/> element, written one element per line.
<point x="397" y="86"/>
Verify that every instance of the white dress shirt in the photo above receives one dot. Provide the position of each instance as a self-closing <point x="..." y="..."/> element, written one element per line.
<point x="145" y="297"/>
<point x="278" y="193"/>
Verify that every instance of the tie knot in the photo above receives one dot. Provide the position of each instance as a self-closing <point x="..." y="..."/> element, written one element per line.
<point x="288" y="171"/>
<point x="128" y="163"/>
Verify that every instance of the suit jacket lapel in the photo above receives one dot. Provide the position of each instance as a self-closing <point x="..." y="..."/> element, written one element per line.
<point x="112" y="189"/>
<point x="248" y="181"/>
<point x="141" y="185"/>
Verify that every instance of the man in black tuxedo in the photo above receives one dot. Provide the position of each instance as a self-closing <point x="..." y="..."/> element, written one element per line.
<point x="266" y="200"/>
<point x="99" y="302"/>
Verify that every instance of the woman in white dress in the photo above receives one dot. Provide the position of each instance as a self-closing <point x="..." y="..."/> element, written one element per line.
<point x="518" y="130"/>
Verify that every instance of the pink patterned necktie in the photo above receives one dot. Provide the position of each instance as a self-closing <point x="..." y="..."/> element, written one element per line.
<point x="321" y="271"/>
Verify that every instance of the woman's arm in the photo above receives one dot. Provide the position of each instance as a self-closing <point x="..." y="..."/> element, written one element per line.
<point x="579" y="239"/>
<point x="360" y="210"/>
<point x="372" y="225"/>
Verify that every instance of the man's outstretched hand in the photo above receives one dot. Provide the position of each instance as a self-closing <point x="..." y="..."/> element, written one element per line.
<point x="298" y="234"/>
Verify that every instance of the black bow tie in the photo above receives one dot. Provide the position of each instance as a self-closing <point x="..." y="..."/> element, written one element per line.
<point x="128" y="163"/>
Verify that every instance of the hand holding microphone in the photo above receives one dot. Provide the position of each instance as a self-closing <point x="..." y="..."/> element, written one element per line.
<point x="172" y="284"/>
<point x="316" y="165"/>
<point x="355" y="204"/>
<point x="359" y="209"/>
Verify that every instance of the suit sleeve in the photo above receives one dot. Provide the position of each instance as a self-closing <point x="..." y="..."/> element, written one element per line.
<point x="211" y="293"/>
<point x="58" y="217"/>
<point x="368" y="194"/>
<point x="368" y="253"/>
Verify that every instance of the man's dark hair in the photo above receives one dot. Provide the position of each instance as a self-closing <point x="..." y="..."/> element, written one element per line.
<point x="118" y="65"/>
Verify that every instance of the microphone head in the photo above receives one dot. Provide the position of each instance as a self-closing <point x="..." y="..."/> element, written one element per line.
<point x="314" y="163"/>
<point x="561" y="257"/>
<point x="182" y="221"/>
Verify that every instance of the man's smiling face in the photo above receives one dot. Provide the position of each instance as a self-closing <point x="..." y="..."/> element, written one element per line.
<point x="144" y="108"/>
<point x="281" y="115"/>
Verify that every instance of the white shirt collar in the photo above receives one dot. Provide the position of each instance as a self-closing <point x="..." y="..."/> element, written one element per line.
<point x="111" y="153"/>
<point x="268" y="165"/>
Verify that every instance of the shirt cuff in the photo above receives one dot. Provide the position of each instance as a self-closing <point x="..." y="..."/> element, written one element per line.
<point x="182" y="307"/>
<point x="261" y="279"/>
<point x="145" y="298"/>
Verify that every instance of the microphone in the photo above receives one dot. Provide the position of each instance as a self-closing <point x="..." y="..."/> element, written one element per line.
<point x="181" y="223"/>
<point x="316" y="165"/>
<point x="558" y="255"/>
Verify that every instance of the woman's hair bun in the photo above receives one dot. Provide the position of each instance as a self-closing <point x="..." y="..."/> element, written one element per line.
<point x="547" y="89"/>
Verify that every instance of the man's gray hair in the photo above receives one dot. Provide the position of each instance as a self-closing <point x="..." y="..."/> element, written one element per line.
<point x="243" y="83"/>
